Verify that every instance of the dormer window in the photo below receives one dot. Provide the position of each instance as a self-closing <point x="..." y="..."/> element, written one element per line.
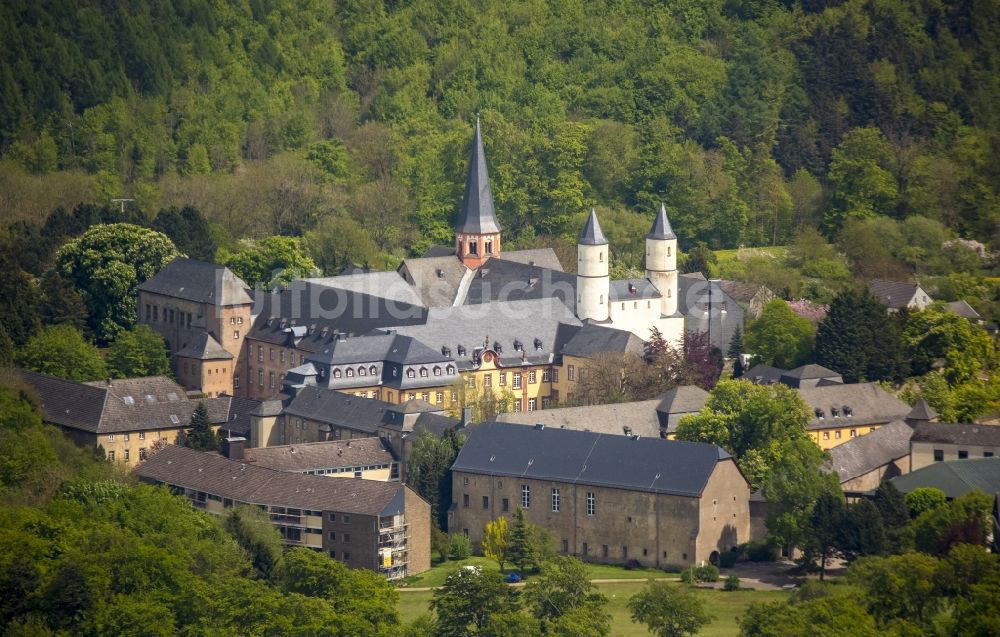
<point x="461" y="350"/>
<point x="361" y="371"/>
<point x="451" y="369"/>
<point x="437" y="371"/>
<point x="336" y="373"/>
<point x="350" y="372"/>
<point x="518" y="346"/>
<point x="538" y="343"/>
<point x="819" y="413"/>
<point x="834" y="412"/>
<point x="410" y="373"/>
<point x="423" y="372"/>
<point x="373" y="370"/>
<point x="847" y="411"/>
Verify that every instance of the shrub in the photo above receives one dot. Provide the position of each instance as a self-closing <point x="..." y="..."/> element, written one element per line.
<point x="461" y="547"/>
<point x="632" y="565"/>
<point x="727" y="559"/>
<point x="765" y="551"/>
<point x="732" y="583"/>
<point x="707" y="573"/>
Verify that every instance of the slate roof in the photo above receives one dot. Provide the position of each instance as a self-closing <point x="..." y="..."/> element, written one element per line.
<point x="240" y="410"/>
<point x="801" y="376"/>
<point x="893" y="294"/>
<point x="955" y="477"/>
<point x="501" y="280"/>
<point x="763" y="374"/>
<point x="863" y="454"/>
<point x="868" y="402"/>
<point x="131" y="404"/>
<point x="633" y="290"/>
<point x="338" y="409"/>
<point x="198" y="281"/>
<point x="477" y="215"/>
<point x="504" y="323"/>
<point x="639" y="416"/>
<point x="693" y="294"/>
<point x="591" y="234"/>
<point x="580" y="457"/>
<point x="963" y="309"/>
<point x="661" y="226"/>
<point x="206" y="348"/>
<point x="440" y="251"/>
<point x="542" y="257"/>
<point x="317" y="308"/>
<point x="592" y="339"/>
<point x="251" y="484"/>
<point x="957" y="434"/>
<point x="744" y="292"/>
<point x="684" y="399"/>
<point x="435" y="280"/>
<point x="921" y="412"/>
<point x="320" y="455"/>
<point x="387" y="285"/>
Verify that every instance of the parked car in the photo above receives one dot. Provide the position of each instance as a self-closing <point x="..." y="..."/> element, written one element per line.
<point x="512" y="578"/>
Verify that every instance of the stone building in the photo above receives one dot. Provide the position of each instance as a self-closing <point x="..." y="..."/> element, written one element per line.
<point x="604" y="498"/>
<point x="378" y="525"/>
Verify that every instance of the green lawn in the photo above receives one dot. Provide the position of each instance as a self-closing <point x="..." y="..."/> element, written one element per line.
<point x="437" y="575"/>
<point x="778" y="252"/>
<point x="725" y="607"/>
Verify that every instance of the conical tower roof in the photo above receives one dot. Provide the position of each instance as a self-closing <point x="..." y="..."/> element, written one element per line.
<point x="478" y="215"/>
<point x="592" y="235"/>
<point x="661" y="226"/>
<point x="921" y="412"/>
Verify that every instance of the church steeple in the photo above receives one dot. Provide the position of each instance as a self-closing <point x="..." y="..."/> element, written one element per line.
<point x="661" y="226"/>
<point x="477" y="233"/>
<point x="592" y="235"/>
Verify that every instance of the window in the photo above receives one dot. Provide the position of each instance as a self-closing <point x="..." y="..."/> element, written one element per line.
<point x="111" y="437"/>
<point x="555" y="500"/>
<point x="410" y="373"/>
<point x="487" y="380"/>
<point x="591" y="503"/>
<point x="413" y="396"/>
<point x="270" y="379"/>
<point x="126" y="455"/>
<point x="333" y="517"/>
<point x="111" y="456"/>
<point x="260" y="353"/>
<point x="506" y="505"/>
<point x="260" y="377"/>
<point x="938" y="455"/>
<point x="426" y="397"/>
<point x="532" y="404"/>
<point x="836" y="434"/>
<point x="437" y="371"/>
<point x="571" y="373"/>
<point x="525" y="496"/>
<point x="142" y="435"/>
<point x="517" y="380"/>
<point x="565" y="546"/>
<point x="532" y="377"/>
<point x="439" y="397"/>
<point x="486" y="502"/>
<point x="962" y="454"/>
<point x="473" y="247"/>
<point x="454" y="395"/>
<point x="546" y="375"/>
<point x="503" y="378"/>
<point x="347" y="538"/>
<point x="423" y="372"/>
<point x="346" y="519"/>
<point x="270" y="353"/>
<point x="604" y="550"/>
<point x="987" y="454"/>
<point x="333" y="555"/>
<point x="465" y="500"/>
<point x="826" y="435"/>
<point x="373" y="371"/>
<point x="555" y="375"/>
<point x="236" y="334"/>
<point x="347" y="556"/>
<point x="854" y="433"/>
<point x="585" y="549"/>
<point x="149" y="312"/>
<point x="625" y="552"/>
<point x="350" y="372"/>
<point x="126" y="437"/>
<point x="333" y="536"/>
<point x="517" y="406"/>
<point x="236" y="381"/>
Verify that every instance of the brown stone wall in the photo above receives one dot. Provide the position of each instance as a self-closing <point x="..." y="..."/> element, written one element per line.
<point x="266" y="365"/>
<point x="357" y="538"/>
<point x="870" y="481"/>
<point x="418" y="544"/>
<point x="725" y="511"/>
<point x="655" y="529"/>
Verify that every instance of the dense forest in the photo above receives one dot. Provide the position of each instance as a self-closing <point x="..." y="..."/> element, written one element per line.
<point x="750" y="120"/>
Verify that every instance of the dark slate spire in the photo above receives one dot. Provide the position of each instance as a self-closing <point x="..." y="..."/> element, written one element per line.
<point x="661" y="226"/>
<point x="592" y="235"/>
<point x="478" y="215"/>
<point x="921" y="412"/>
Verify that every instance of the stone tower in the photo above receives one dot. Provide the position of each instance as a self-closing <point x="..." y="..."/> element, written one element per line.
<point x="477" y="233"/>
<point x="661" y="261"/>
<point x="593" y="284"/>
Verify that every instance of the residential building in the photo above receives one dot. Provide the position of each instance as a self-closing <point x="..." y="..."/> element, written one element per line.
<point x="605" y="498"/>
<point x="895" y="295"/>
<point x="844" y="412"/>
<point x="364" y="458"/>
<point x="940" y="442"/>
<point x="127" y="418"/>
<point x="810" y="376"/>
<point x="373" y="524"/>
<point x="863" y="463"/>
<point x="752" y="297"/>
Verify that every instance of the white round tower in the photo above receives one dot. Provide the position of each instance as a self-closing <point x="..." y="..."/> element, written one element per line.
<point x="661" y="261"/>
<point x="593" y="283"/>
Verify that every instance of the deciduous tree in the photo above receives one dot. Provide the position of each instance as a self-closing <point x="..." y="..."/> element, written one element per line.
<point x="669" y="610"/>
<point x="62" y="351"/>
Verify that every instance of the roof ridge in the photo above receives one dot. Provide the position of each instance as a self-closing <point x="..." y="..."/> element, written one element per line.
<point x="592" y="234"/>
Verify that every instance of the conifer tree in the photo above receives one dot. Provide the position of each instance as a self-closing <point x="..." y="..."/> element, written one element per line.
<point x="200" y="436"/>
<point x="520" y="551"/>
<point x="735" y="352"/>
<point x="858" y="339"/>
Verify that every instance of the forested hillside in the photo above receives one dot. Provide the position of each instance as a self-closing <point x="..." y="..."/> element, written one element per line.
<point x="748" y="119"/>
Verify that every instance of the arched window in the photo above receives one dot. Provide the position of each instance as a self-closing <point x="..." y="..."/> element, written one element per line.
<point x="361" y="371"/>
<point x="410" y="373"/>
<point x="423" y="372"/>
<point x="437" y="371"/>
<point x="336" y="373"/>
<point x="373" y="370"/>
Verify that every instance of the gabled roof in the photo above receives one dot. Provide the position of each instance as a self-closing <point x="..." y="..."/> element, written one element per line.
<point x="893" y="294"/>
<point x="592" y="339"/>
<point x="743" y="292"/>
<point x="332" y="407"/>
<point x="591" y="234"/>
<point x="580" y="457"/>
<point x="868" y="404"/>
<point x="386" y="285"/>
<point x="811" y="370"/>
<point x="320" y="455"/>
<point x="240" y="410"/>
<point x="477" y="215"/>
<point x="501" y="280"/>
<point x="435" y="280"/>
<point x="205" y="348"/>
<point x="955" y="477"/>
<point x="956" y="434"/>
<point x="763" y="374"/>
<point x="863" y="454"/>
<point x="963" y="309"/>
<point x="198" y="281"/>
<point x="251" y="484"/>
<point x="684" y="399"/>
<point x="661" y="226"/>
<point x="542" y="257"/>
<point x="119" y="405"/>
<point x="639" y="417"/>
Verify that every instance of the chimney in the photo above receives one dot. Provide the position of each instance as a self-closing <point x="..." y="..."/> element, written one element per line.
<point x="232" y="448"/>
